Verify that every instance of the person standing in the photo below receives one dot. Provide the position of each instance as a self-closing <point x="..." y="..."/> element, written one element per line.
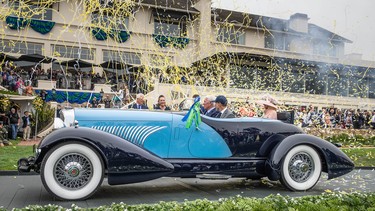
<point x="107" y="102"/>
<point x="14" y="121"/>
<point x="94" y="102"/>
<point x="26" y="126"/>
<point x="58" y="110"/>
<point x="126" y="95"/>
<point x="43" y="95"/>
<point x="20" y="86"/>
<point x="121" y="95"/>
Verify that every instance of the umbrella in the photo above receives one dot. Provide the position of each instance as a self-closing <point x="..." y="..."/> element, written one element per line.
<point x="37" y="58"/>
<point x="77" y="63"/>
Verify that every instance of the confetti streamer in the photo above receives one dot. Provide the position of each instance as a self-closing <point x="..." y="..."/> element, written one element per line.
<point x="169" y="52"/>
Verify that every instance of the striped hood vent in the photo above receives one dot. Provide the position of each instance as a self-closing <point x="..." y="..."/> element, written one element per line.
<point x="135" y="134"/>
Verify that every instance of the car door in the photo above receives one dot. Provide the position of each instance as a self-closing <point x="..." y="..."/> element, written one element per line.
<point x="201" y="142"/>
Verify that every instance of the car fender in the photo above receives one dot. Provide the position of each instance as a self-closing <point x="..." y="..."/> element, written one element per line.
<point x="123" y="159"/>
<point x="334" y="161"/>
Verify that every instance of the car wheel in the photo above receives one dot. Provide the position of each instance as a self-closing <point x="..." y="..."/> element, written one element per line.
<point x="72" y="171"/>
<point x="301" y="168"/>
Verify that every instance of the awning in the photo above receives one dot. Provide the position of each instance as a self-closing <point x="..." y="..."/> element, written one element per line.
<point x="113" y="64"/>
<point x="77" y="63"/>
<point x="37" y="58"/>
<point x="5" y="57"/>
<point x="171" y="15"/>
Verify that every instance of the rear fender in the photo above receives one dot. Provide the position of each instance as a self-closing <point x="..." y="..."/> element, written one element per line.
<point x="266" y="149"/>
<point x="334" y="161"/>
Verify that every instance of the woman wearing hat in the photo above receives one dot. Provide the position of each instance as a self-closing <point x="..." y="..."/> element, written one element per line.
<point x="269" y="107"/>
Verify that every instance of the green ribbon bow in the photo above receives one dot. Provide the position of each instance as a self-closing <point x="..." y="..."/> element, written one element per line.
<point x="194" y="114"/>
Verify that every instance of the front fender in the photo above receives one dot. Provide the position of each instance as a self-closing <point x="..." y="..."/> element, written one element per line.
<point x="336" y="162"/>
<point x="123" y="159"/>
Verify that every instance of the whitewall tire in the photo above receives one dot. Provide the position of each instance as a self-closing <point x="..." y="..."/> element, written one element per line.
<point x="301" y="168"/>
<point x="72" y="171"/>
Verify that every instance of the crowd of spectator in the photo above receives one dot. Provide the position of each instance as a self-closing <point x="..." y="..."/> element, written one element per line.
<point x="22" y="79"/>
<point x="312" y="117"/>
<point x="336" y="118"/>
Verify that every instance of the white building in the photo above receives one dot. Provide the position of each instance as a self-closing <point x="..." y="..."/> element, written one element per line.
<point x="298" y="61"/>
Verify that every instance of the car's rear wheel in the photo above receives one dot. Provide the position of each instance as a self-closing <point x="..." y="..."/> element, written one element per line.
<point x="301" y="168"/>
<point x="72" y="171"/>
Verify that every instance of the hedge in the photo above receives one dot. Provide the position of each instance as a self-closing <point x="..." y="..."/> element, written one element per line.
<point x="326" y="201"/>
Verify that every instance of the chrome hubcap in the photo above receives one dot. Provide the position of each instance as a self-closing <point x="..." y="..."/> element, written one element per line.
<point x="301" y="167"/>
<point x="73" y="171"/>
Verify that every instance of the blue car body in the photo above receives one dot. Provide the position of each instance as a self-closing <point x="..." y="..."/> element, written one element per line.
<point x="164" y="134"/>
<point x="137" y="146"/>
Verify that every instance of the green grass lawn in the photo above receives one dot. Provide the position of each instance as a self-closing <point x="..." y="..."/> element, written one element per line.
<point x="361" y="156"/>
<point x="9" y="156"/>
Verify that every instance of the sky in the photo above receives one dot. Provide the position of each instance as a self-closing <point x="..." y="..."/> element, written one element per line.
<point x="352" y="19"/>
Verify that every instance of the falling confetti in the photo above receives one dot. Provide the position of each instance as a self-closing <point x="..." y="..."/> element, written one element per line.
<point x="168" y="52"/>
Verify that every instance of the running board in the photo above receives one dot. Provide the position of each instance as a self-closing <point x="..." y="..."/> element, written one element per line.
<point x="213" y="176"/>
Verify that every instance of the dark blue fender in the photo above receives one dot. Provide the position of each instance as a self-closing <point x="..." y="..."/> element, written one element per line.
<point x="125" y="162"/>
<point x="334" y="161"/>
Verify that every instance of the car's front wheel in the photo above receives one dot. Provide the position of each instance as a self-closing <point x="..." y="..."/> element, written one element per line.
<point x="72" y="171"/>
<point x="301" y="168"/>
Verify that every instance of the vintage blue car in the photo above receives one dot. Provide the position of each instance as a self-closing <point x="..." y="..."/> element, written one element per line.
<point x="130" y="146"/>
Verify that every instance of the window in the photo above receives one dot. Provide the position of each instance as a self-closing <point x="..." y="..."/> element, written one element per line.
<point x="324" y="48"/>
<point x="231" y="35"/>
<point x="371" y="87"/>
<point x="31" y="11"/>
<point x="160" y="60"/>
<point x="10" y="46"/>
<point x="170" y="23"/>
<point x="121" y="56"/>
<point x="315" y="82"/>
<point x="167" y="28"/>
<point x="269" y="79"/>
<point x="337" y="81"/>
<point x="244" y="77"/>
<point x="277" y="41"/>
<point x="109" y="21"/>
<point x="106" y="3"/>
<point x="74" y="52"/>
<point x="293" y="81"/>
<point x="359" y="82"/>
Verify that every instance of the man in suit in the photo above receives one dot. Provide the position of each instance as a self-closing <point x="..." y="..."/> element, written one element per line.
<point x="209" y="106"/>
<point x="221" y="103"/>
<point x="139" y="102"/>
